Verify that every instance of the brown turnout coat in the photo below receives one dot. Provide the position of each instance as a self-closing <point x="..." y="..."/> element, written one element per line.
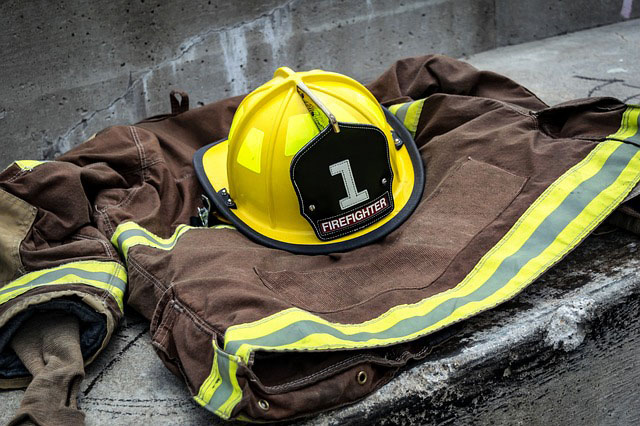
<point x="512" y="185"/>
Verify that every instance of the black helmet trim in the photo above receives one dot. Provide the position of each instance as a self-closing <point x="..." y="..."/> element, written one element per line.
<point x="220" y="202"/>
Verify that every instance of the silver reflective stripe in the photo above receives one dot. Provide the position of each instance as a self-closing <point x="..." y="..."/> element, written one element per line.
<point x="107" y="276"/>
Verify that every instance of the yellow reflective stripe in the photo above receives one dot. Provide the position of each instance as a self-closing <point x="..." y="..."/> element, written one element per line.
<point x="583" y="224"/>
<point x="413" y="115"/>
<point x="548" y="202"/>
<point x="629" y="127"/>
<point x="109" y="276"/>
<point x="129" y="234"/>
<point x="211" y="383"/>
<point x="221" y="227"/>
<point x="409" y="114"/>
<point x="220" y="391"/>
<point x="599" y="207"/>
<point x="236" y="395"/>
<point x="394" y="108"/>
<point x="27" y="165"/>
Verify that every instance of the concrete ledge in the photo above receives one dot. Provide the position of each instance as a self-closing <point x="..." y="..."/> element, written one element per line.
<point x="562" y="352"/>
<point x="71" y="69"/>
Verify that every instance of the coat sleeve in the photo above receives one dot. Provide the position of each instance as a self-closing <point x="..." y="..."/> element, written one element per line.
<point x="58" y="219"/>
<point x="54" y="255"/>
<point x="419" y="77"/>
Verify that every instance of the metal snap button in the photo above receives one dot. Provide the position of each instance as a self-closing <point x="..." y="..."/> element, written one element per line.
<point x="362" y="377"/>
<point x="264" y="404"/>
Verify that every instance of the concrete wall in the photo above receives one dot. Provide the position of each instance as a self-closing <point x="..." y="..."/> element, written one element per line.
<point x="71" y="68"/>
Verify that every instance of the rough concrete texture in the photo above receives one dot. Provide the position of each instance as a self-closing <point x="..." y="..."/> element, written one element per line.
<point x="71" y="68"/>
<point x="565" y="351"/>
<point x="519" y="21"/>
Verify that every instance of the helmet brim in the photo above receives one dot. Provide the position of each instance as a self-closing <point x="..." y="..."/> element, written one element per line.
<point x="210" y="163"/>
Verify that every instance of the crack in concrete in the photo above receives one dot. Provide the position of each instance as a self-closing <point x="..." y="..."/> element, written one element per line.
<point x="64" y="142"/>
<point x="621" y="36"/>
<point x="138" y="406"/>
<point x="110" y="365"/>
<point x="604" y="82"/>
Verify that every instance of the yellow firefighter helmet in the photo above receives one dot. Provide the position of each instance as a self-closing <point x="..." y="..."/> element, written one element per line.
<point x="313" y="164"/>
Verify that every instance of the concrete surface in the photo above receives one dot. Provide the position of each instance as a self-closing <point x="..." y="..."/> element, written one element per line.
<point x="565" y="351"/>
<point x="71" y="68"/>
<point x="601" y="62"/>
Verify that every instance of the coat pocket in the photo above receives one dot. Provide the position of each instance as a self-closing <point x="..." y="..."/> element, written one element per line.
<point x="472" y="196"/>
